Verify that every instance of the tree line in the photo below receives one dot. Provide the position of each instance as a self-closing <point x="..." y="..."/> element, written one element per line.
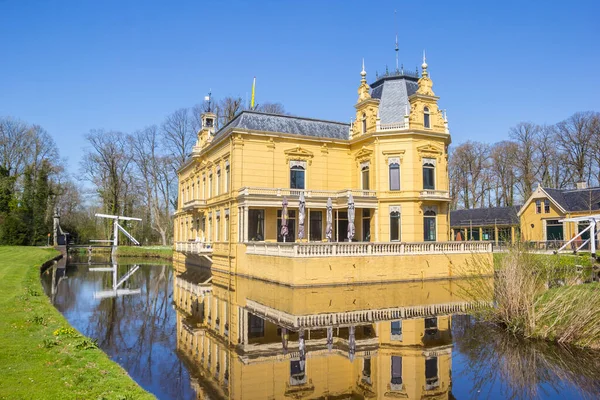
<point x="507" y="172"/>
<point x="121" y="173"/>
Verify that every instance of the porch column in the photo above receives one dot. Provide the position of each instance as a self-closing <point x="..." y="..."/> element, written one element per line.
<point x="452" y="234"/>
<point x="245" y="223"/>
<point x="376" y="218"/>
<point x="480" y="234"/>
<point x="512" y="235"/>
<point x="593" y="238"/>
<point x="465" y="237"/>
<point x="496" y="234"/>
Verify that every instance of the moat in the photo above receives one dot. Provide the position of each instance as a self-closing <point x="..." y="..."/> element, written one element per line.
<point x="184" y="334"/>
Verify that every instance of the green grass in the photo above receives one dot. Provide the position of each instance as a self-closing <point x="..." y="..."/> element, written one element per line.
<point x="560" y="260"/>
<point x="41" y="356"/>
<point x="163" y="252"/>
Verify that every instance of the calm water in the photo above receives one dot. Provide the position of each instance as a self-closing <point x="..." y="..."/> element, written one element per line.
<point x="182" y="334"/>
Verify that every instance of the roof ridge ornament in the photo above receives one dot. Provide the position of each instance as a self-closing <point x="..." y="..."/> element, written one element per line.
<point x="424" y="65"/>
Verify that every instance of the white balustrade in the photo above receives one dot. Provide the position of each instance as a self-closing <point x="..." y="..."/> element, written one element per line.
<point x="441" y="194"/>
<point x="308" y="193"/>
<point x="397" y="126"/>
<point x="343" y="249"/>
<point x="193" y="247"/>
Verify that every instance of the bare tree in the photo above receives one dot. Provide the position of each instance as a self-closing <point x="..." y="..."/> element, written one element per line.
<point x="178" y="135"/>
<point x="574" y="137"/>
<point x="272" y="108"/>
<point x="16" y="139"/>
<point x="526" y="135"/>
<point x="155" y="172"/>
<point x="107" y="164"/>
<point x="503" y="157"/>
<point x="228" y="109"/>
<point x="469" y="173"/>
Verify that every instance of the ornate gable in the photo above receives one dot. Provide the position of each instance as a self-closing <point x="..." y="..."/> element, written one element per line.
<point x="298" y="153"/>
<point x="429" y="151"/>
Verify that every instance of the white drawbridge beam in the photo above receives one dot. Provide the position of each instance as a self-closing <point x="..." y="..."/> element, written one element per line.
<point x="592" y="220"/>
<point x="117" y="228"/>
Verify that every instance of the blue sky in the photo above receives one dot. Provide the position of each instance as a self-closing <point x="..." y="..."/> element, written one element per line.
<point x="72" y="66"/>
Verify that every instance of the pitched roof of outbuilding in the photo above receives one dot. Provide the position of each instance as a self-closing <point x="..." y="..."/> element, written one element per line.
<point x="574" y="200"/>
<point x="485" y="216"/>
<point x="276" y="123"/>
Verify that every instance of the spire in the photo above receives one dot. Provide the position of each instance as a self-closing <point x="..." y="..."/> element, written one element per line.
<point x="363" y="73"/>
<point x="207" y="98"/>
<point x="424" y="65"/>
<point x="396" y="27"/>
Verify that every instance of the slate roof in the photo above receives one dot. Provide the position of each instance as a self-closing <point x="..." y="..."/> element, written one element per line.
<point x="257" y="121"/>
<point x="393" y="93"/>
<point x="485" y="216"/>
<point x="573" y="200"/>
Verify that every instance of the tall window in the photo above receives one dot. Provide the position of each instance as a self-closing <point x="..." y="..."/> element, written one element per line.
<point x="256" y="326"/>
<point x="210" y="185"/>
<point x="431" y="373"/>
<point x="227" y="178"/>
<point x="366" y="372"/>
<point x="297" y="175"/>
<point x="426" y="122"/>
<point x="394" y="166"/>
<point x="218" y="181"/>
<point x="203" y="186"/>
<point x="256" y="225"/>
<point x="366" y="224"/>
<point x="396" y="381"/>
<point x="431" y="326"/>
<point x="193" y="191"/>
<point x="364" y="172"/>
<point x="394" y="224"/>
<point x="429" y="226"/>
<point x="227" y="225"/>
<point x="428" y="173"/>
<point x="291" y="224"/>
<point x="217" y="227"/>
<point x="364" y="123"/>
<point x="538" y="206"/>
<point x="316" y="225"/>
<point x="396" y="330"/>
<point x="547" y="206"/>
<point x="297" y="372"/>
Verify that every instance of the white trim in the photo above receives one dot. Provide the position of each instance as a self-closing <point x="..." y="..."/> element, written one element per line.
<point x="393" y="160"/>
<point x="298" y="163"/>
<point x="431" y="161"/>
<point x="397" y="209"/>
<point x="365" y="164"/>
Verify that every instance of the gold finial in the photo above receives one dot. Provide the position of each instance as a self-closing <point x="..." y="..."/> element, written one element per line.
<point x="424" y="65"/>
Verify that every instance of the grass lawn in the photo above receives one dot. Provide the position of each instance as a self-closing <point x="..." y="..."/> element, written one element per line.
<point x="41" y="356"/>
<point x="164" y="252"/>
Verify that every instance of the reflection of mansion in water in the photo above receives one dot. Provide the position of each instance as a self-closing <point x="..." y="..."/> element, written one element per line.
<point x="373" y="194"/>
<point x="258" y="340"/>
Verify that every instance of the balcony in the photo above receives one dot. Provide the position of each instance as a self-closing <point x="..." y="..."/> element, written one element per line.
<point x="397" y="126"/>
<point x="308" y="193"/>
<point x="194" y="248"/>
<point x="310" y="250"/>
<point x="435" y="195"/>
<point x="191" y="204"/>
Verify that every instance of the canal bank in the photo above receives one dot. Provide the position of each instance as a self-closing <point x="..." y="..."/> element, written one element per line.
<point x="41" y="356"/>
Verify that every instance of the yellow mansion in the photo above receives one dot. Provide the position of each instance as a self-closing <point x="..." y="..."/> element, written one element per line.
<point x="359" y="197"/>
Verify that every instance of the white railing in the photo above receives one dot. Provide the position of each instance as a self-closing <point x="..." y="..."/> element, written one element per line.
<point x="246" y="191"/>
<point x="439" y="194"/>
<point x="396" y="126"/>
<point x="348" y="318"/>
<point x="193" y="247"/>
<point x="197" y="290"/>
<point x="365" y="249"/>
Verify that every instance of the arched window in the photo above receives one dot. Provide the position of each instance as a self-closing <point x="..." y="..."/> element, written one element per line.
<point x="297" y="174"/>
<point x="394" y="225"/>
<point x="426" y="122"/>
<point x="429" y="174"/>
<point x="429" y="226"/>
<point x="364" y="123"/>
<point x="364" y="171"/>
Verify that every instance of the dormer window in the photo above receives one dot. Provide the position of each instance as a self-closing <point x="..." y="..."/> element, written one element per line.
<point x="426" y="122"/>
<point x="364" y="123"/>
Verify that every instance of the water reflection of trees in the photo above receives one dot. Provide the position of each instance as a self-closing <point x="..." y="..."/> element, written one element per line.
<point x="522" y="369"/>
<point x="139" y="331"/>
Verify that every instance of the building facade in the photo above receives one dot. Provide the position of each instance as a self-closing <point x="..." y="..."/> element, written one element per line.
<point x="385" y="177"/>
<point x="542" y="215"/>
<point x="497" y="224"/>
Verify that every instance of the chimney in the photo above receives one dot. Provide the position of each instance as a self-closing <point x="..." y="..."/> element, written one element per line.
<point x="581" y="185"/>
